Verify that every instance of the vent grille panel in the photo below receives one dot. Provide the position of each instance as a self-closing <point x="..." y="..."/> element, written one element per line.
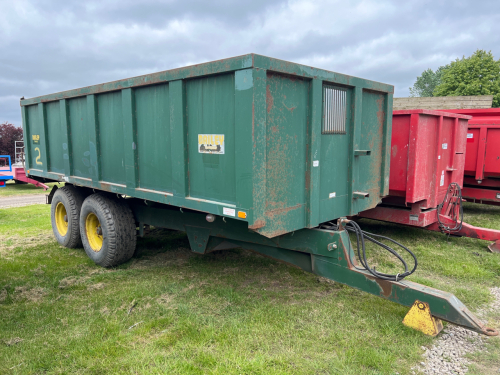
<point x="334" y="110"/>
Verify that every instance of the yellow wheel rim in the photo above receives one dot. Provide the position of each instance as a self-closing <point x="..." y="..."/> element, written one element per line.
<point x="61" y="219"/>
<point x="94" y="232"/>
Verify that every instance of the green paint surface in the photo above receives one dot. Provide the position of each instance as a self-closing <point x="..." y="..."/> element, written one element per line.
<point x="36" y="129"/>
<point x="334" y="166"/>
<point x="369" y="177"/>
<point x="287" y="112"/>
<point x="111" y="137"/>
<point x="153" y="137"/>
<point x="80" y="140"/>
<point x="210" y="110"/>
<point x="58" y="148"/>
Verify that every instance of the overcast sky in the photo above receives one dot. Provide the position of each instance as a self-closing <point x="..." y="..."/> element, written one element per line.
<point x="51" y="46"/>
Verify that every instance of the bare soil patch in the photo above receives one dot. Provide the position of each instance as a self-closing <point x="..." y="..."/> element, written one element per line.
<point x="11" y="242"/>
<point x="13" y="341"/>
<point x="70" y="281"/>
<point x="30" y="294"/>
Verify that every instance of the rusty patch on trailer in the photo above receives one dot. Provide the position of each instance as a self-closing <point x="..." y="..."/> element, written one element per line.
<point x="290" y="109"/>
<point x="105" y="186"/>
<point x="259" y="223"/>
<point x="276" y="233"/>
<point x="282" y="211"/>
<point x="386" y="287"/>
<point x="278" y="217"/>
<point x="269" y="99"/>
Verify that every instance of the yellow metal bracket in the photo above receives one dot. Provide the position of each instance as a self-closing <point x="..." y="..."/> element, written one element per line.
<point x="419" y="317"/>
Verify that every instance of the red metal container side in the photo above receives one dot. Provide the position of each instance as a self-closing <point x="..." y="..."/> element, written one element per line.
<point x="427" y="154"/>
<point x="483" y="143"/>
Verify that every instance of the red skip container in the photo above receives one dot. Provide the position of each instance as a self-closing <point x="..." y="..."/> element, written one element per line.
<point x="427" y="155"/>
<point x="482" y="162"/>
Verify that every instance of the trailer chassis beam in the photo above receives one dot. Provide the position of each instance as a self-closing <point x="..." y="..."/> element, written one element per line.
<point x="471" y="231"/>
<point x="325" y="253"/>
<point x="428" y="219"/>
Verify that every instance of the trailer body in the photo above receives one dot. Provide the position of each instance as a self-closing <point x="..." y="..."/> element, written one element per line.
<point x="482" y="158"/>
<point x="279" y="145"/>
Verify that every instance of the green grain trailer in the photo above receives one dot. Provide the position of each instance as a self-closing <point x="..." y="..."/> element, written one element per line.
<point x="248" y="152"/>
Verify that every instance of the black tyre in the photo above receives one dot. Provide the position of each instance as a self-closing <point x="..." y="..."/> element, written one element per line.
<point x="108" y="231"/>
<point x="65" y="216"/>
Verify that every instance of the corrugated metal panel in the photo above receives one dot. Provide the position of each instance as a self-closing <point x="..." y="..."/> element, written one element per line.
<point x="335" y="110"/>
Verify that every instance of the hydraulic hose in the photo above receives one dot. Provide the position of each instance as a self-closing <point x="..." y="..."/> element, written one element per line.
<point x="361" y="235"/>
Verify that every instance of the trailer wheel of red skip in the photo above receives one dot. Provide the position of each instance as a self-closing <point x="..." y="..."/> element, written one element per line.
<point x="426" y="175"/>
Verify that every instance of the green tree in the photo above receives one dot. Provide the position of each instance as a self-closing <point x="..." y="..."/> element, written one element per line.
<point x="9" y="134"/>
<point x="426" y="83"/>
<point x="478" y="74"/>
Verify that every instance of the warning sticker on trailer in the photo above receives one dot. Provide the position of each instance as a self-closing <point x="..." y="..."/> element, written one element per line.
<point x="211" y="143"/>
<point x="470" y="137"/>
<point x="441" y="183"/>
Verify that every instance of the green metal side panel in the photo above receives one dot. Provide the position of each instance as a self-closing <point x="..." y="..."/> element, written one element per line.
<point x="35" y="130"/>
<point x="83" y="163"/>
<point x="287" y="115"/>
<point x="369" y="169"/>
<point x="244" y="135"/>
<point x="334" y="166"/>
<point x="153" y="138"/>
<point x="56" y="137"/>
<point x="210" y="111"/>
<point x="111" y="137"/>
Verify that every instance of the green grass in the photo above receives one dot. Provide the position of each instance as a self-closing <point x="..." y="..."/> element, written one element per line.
<point x="231" y="312"/>
<point x="12" y="189"/>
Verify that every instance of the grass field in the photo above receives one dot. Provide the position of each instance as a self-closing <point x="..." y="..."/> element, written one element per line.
<point x="12" y="189"/>
<point x="171" y="311"/>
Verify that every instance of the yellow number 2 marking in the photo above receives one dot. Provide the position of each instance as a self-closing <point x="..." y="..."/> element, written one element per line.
<point x="38" y="157"/>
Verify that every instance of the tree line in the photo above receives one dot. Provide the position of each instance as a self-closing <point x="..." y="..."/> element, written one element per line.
<point x="478" y="74"/>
